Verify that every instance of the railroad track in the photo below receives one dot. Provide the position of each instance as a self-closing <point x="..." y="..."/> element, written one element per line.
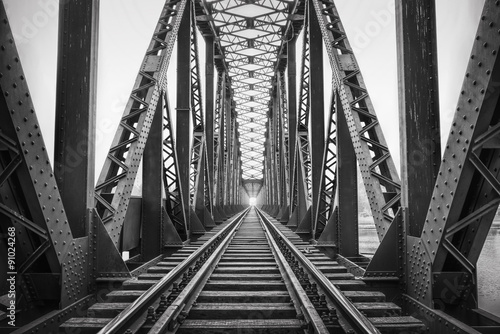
<point x="249" y="277"/>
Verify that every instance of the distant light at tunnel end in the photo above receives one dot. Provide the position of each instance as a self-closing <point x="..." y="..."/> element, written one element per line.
<point x="252" y="201"/>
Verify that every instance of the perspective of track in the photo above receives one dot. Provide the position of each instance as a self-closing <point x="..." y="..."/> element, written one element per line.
<point x="250" y="274"/>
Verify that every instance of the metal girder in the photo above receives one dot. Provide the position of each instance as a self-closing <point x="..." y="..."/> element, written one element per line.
<point x="228" y="144"/>
<point x="122" y="163"/>
<point x="272" y="137"/>
<point x="317" y="116"/>
<point x="36" y="209"/>
<point x="209" y="124"/>
<point x="292" y="118"/>
<point x="302" y="166"/>
<point x="419" y="123"/>
<point x="219" y="137"/>
<point x="189" y="146"/>
<point x="284" y="146"/>
<point x="74" y="141"/>
<point x="466" y="193"/>
<point x="375" y="162"/>
<point x="250" y="39"/>
<point x="418" y="107"/>
<point x="152" y="202"/>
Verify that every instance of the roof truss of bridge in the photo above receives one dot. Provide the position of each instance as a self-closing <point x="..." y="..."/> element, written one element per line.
<point x="249" y="34"/>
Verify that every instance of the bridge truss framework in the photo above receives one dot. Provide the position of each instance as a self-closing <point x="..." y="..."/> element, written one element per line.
<point x="254" y="133"/>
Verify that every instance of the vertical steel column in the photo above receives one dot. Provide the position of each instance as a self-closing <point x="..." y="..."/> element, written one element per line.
<point x="292" y="114"/>
<point x="272" y="148"/>
<point x="418" y="107"/>
<point x="281" y="146"/>
<point x="183" y="141"/>
<point x="74" y="145"/>
<point x="221" y="142"/>
<point x="227" y="148"/>
<point x="209" y="106"/>
<point x="347" y="188"/>
<point x="317" y="112"/>
<point x="152" y="174"/>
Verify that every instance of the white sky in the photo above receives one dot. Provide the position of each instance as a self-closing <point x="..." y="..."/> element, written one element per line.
<point x="126" y="27"/>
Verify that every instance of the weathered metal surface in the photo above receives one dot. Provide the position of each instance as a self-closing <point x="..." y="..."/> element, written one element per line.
<point x="388" y="258"/>
<point x="466" y="193"/>
<point x="418" y="107"/>
<point x="210" y="117"/>
<point x="347" y="189"/>
<point x="436" y="320"/>
<point x="74" y="139"/>
<point x="152" y="202"/>
<point x="292" y="115"/>
<point x="317" y="116"/>
<point x="184" y="112"/>
<point x="43" y="213"/>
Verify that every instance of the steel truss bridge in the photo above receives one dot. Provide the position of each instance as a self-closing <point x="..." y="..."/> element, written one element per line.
<point x="254" y="127"/>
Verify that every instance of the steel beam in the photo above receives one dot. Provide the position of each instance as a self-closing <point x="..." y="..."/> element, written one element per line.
<point x="209" y="109"/>
<point x="152" y="203"/>
<point x="302" y="186"/>
<point x="184" y="116"/>
<point x="74" y="143"/>
<point x="292" y="113"/>
<point x="466" y="193"/>
<point x="347" y="188"/>
<point x="30" y="174"/>
<point x="317" y="115"/>
<point x="418" y="107"/>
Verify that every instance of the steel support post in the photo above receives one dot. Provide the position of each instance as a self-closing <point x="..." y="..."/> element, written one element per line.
<point x="273" y="149"/>
<point x="227" y="149"/>
<point x="280" y="144"/>
<point x="317" y="113"/>
<point x="292" y="113"/>
<point x="27" y="171"/>
<point x="74" y="145"/>
<point x="466" y="194"/>
<point x="209" y="108"/>
<point x="221" y="144"/>
<point x="301" y="215"/>
<point x="347" y="189"/>
<point x="152" y="175"/>
<point x="418" y="107"/>
<point x="232" y="169"/>
<point x="184" y="116"/>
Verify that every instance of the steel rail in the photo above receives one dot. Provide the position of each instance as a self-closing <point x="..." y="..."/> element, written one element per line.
<point x="132" y="313"/>
<point x="306" y="306"/>
<point x="169" y="320"/>
<point x="355" y="318"/>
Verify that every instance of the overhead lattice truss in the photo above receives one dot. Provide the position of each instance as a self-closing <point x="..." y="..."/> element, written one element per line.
<point x="250" y="36"/>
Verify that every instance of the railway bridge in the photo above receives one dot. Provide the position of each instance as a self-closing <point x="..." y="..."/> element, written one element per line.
<point x="248" y="127"/>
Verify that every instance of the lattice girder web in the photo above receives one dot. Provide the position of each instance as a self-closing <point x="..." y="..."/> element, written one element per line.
<point x="250" y="35"/>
